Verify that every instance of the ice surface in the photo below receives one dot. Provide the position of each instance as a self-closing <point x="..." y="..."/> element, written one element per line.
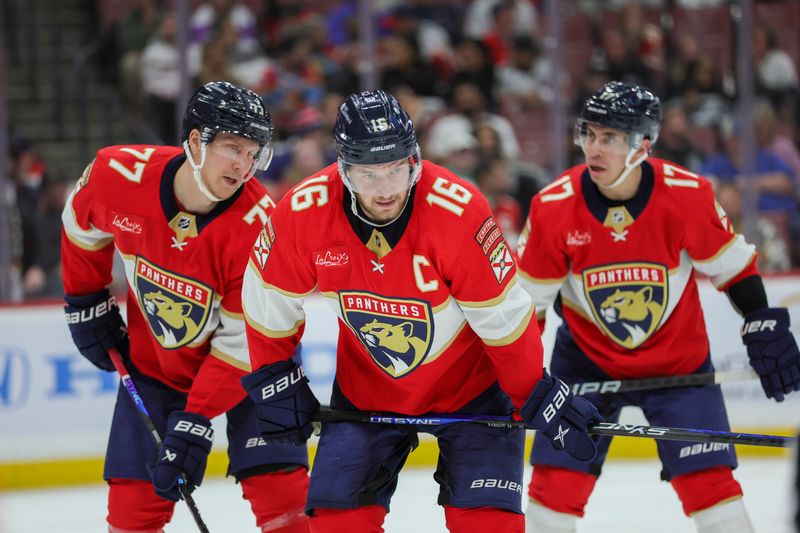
<point x="628" y="497"/>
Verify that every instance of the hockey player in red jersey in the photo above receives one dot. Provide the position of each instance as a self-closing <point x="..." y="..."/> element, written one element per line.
<point x="613" y="244"/>
<point x="183" y="222"/>
<point x="432" y="320"/>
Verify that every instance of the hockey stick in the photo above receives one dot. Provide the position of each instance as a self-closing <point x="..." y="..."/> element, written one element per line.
<point x="603" y="428"/>
<point x="664" y="382"/>
<point x="125" y="376"/>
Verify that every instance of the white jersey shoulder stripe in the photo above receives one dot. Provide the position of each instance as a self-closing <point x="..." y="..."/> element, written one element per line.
<point x="88" y="239"/>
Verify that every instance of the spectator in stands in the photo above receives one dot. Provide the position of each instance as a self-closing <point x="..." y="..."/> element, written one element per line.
<point x="478" y="17"/>
<point x="769" y="135"/>
<point x="623" y="63"/>
<point x="211" y="17"/>
<point x="400" y="62"/>
<point x="216" y="64"/>
<point x="51" y="205"/>
<point x="776" y="73"/>
<point x="474" y="65"/>
<point x="503" y="30"/>
<point x="645" y="38"/>
<point x="429" y="38"/>
<point x="495" y="180"/>
<point x="423" y="110"/>
<point x="774" y="181"/>
<point x="130" y="35"/>
<point x="293" y="80"/>
<point x="674" y="141"/>
<point x="28" y="175"/>
<point x="161" y="78"/>
<point x="468" y="107"/>
<point x="526" y="81"/>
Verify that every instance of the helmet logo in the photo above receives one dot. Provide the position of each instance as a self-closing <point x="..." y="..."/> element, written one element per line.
<point x="379" y="124"/>
<point x="382" y="148"/>
<point x="256" y="107"/>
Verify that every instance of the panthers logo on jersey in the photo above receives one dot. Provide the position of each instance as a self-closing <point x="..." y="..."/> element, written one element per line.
<point x="176" y="308"/>
<point x="627" y="299"/>
<point x="396" y="332"/>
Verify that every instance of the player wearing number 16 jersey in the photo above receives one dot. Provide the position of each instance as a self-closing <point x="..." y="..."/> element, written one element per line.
<point x="432" y="319"/>
<point x="613" y="244"/>
<point x="183" y="221"/>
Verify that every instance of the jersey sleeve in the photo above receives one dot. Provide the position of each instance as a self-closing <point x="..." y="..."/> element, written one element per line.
<point x="713" y="245"/>
<point x="484" y="282"/>
<point x="543" y="261"/>
<point x="276" y="281"/>
<point x="87" y="249"/>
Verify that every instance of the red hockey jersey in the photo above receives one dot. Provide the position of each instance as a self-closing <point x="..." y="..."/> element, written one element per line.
<point x="425" y="327"/>
<point x="184" y="271"/>
<point x="626" y="272"/>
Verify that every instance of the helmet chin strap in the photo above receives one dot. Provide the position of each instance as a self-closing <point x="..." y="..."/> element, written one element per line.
<point x="629" y="166"/>
<point x="198" y="178"/>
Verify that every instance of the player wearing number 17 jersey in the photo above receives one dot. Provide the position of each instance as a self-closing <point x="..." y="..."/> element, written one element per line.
<point x="432" y="319"/>
<point x="183" y="222"/>
<point x="613" y="244"/>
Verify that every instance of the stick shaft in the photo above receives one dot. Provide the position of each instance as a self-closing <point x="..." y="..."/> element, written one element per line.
<point x="691" y="380"/>
<point x="603" y="428"/>
<point x="127" y="382"/>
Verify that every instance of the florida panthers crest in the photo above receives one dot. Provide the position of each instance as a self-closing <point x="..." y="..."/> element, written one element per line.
<point x="627" y="299"/>
<point x="176" y="308"/>
<point x="397" y="332"/>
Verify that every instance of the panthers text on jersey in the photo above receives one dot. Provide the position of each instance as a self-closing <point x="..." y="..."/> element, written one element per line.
<point x="625" y="271"/>
<point x="184" y="271"/>
<point x="423" y="327"/>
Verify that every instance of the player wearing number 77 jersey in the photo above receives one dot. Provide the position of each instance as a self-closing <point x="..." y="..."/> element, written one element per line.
<point x="183" y="221"/>
<point x="613" y="244"/>
<point x="432" y="319"/>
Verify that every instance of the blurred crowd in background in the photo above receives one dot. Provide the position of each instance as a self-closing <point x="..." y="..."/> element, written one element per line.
<point x="476" y="79"/>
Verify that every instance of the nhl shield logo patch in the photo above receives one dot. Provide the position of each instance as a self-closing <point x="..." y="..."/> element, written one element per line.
<point x="627" y="299"/>
<point x="176" y="308"/>
<point x="397" y="332"/>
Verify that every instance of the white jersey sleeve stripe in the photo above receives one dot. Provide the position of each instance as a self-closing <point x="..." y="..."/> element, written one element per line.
<point x="503" y="322"/>
<point x="728" y="262"/>
<point x="271" y="312"/>
<point x="229" y="342"/>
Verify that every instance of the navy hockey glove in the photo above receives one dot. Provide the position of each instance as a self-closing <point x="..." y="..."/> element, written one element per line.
<point x="184" y="451"/>
<point x="96" y="326"/>
<point x="563" y="417"/>
<point x="772" y="350"/>
<point x="284" y="402"/>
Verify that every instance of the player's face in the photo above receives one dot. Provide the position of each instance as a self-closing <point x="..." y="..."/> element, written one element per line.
<point x="229" y="161"/>
<point x="605" y="150"/>
<point x="381" y="190"/>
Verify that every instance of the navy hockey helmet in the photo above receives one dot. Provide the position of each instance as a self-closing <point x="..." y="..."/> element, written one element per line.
<point x="623" y="106"/>
<point x="219" y="106"/>
<point x="372" y="129"/>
